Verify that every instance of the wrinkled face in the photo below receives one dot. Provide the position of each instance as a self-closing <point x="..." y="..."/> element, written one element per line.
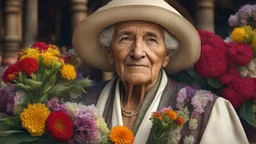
<point x="138" y="51"/>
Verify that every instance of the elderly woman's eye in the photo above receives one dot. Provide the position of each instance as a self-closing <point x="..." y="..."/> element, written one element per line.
<point x="125" y="39"/>
<point x="151" y="40"/>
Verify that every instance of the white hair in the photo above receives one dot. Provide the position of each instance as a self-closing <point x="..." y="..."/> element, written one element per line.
<point x="106" y="36"/>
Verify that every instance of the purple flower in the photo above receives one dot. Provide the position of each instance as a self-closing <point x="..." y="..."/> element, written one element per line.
<point x="245" y="11"/>
<point x="165" y="108"/>
<point x="184" y="95"/>
<point x="200" y="101"/>
<point x="190" y="92"/>
<point x="7" y="98"/>
<point x="79" y="75"/>
<point x="86" y="130"/>
<point x="233" y="20"/>
<point x="90" y="110"/>
<point x="54" y="105"/>
<point x="253" y="8"/>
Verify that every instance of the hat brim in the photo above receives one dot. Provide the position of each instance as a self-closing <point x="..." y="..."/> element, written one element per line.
<point x="86" y="35"/>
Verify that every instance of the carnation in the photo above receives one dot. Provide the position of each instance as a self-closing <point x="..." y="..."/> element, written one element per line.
<point x="28" y="65"/>
<point x="60" y="126"/>
<point x="41" y="46"/>
<point x="11" y="70"/>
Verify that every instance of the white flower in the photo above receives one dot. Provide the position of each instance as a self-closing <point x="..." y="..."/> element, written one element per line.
<point x="188" y="139"/>
<point x="244" y="72"/>
<point x="193" y="124"/>
<point x="228" y="40"/>
<point x="72" y="109"/>
<point x="174" y="136"/>
<point x="18" y="100"/>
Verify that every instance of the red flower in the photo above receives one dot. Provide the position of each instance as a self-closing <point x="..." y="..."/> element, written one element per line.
<point x="240" y="90"/>
<point x="230" y="94"/>
<point x="180" y="120"/>
<point x="28" y="65"/>
<point x="11" y="73"/>
<point x="60" y="126"/>
<point x="213" y="60"/>
<point x="40" y="45"/>
<point x="211" y="39"/>
<point x="239" y="53"/>
<point x="229" y="76"/>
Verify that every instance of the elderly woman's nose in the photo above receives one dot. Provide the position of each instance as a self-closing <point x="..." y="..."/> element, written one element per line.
<point x="138" y="51"/>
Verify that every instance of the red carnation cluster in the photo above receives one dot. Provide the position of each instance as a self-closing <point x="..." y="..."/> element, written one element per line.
<point x="239" y="53"/>
<point x="238" y="89"/>
<point x="213" y="60"/>
<point x="41" y="46"/>
<point x="28" y="65"/>
<point x="217" y="61"/>
<point x="11" y="73"/>
<point x="60" y="125"/>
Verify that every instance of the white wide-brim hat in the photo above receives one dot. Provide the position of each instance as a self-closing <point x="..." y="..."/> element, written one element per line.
<point x="86" y="35"/>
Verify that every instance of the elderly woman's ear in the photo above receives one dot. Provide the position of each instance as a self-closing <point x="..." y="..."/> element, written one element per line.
<point x="109" y="54"/>
<point x="167" y="57"/>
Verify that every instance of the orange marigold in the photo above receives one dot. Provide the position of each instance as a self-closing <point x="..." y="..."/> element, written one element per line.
<point x="121" y="135"/>
<point x="180" y="120"/>
<point x="172" y="115"/>
<point x="157" y="115"/>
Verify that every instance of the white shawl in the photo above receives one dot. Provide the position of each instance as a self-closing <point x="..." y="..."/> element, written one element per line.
<point x="145" y="127"/>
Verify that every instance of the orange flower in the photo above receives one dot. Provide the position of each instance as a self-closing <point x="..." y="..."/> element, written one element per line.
<point x="180" y="120"/>
<point x="121" y="135"/>
<point x="12" y="76"/>
<point x="166" y="112"/>
<point x="157" y="115"/>
<point x="172" y="115"/>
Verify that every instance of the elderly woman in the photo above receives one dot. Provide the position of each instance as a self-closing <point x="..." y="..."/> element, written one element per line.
<point x="142" y="40"/>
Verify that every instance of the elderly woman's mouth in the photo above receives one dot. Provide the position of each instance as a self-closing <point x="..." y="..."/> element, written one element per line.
<point x="137" y="65"/>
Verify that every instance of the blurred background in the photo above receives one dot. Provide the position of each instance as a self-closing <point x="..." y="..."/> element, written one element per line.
<point x="23" y="22"/>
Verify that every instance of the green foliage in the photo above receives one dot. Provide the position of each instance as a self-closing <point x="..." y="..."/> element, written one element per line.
<point x="191" y="77"/>
<point x="248" y="112"/>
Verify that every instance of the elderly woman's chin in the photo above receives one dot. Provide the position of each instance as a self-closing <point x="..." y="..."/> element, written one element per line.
<point x="137" y="78"/>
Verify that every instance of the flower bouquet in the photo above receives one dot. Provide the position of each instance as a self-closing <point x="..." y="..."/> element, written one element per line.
<point x="228" y="67"/>
<point x="168" y="123"/>
<point x="36" y="100"/>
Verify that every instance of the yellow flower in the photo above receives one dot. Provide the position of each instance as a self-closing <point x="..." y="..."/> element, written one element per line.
<point x="30" y="53"/>
<point x="242" y="34"/>
<point x="34" y="117"/>
<point x="254" y="44"/>
<point x="49" y="58"/>
<point x="53" y="49"/>
<point x="68" y="72"/>
<point x="121" y="135"/>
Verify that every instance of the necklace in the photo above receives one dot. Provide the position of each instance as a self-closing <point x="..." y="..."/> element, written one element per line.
<point x="129" y="113"/>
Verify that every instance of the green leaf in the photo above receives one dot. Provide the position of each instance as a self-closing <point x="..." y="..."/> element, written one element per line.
<point x="9" y="132"/>
<point x="247" y="113"/>
<point x="26" y="88"/>
<point x="214" y="83"/>
<point x="34" y="84"/>
<point x="17" y="138"/>
<point x="13" y="122"/>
